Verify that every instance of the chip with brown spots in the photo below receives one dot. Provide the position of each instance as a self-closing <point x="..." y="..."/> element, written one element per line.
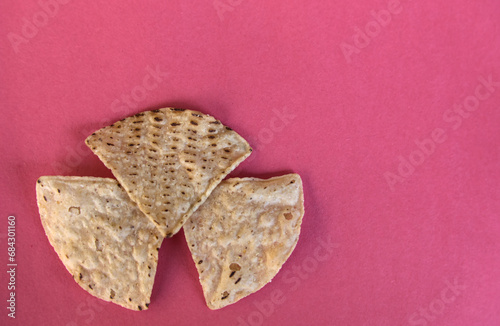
<point x="169" y="160"/>
<point x="242" y="235"/>
<point x="101" y="236"/>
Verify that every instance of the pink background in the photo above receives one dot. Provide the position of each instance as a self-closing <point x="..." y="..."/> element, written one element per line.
<point x="419" y="248"/>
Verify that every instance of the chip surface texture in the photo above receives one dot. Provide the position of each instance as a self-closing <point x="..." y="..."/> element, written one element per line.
<point x="103" y="239"/>
<point x="169" y="160"/>
<point x="243" y="234"/>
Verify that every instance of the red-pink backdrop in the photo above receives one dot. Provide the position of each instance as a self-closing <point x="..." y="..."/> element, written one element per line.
<point x="389" y="110"/>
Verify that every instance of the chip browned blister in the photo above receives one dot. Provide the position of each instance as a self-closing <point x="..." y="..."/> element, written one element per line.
<point x="103" y="239"/>
<point x="169" y="160"/>
<point x="243" y="234"/>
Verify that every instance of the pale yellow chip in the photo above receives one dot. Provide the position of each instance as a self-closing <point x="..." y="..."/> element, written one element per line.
<point x="104" y="240"/>
<point x="169" y="160"/>
<point x="242" y="235"/>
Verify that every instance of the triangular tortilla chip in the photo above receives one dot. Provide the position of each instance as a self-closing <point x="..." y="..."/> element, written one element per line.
<point x="104" y="240"/>
<point x="242" y="235"/>
<point x="169" y="160"/>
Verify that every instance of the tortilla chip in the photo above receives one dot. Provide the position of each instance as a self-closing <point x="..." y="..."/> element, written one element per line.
<point x="169" y="160"/>
<point x="104" y="240"/>
<point x="242" y="235"/>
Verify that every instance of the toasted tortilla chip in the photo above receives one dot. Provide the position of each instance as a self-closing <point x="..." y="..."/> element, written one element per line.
<point x="169" y="160"/>
<point x="104" y="240"/>
<point x="242" y="235"/>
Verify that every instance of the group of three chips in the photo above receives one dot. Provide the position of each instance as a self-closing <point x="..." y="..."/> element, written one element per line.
<point x="169" y="165"/>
